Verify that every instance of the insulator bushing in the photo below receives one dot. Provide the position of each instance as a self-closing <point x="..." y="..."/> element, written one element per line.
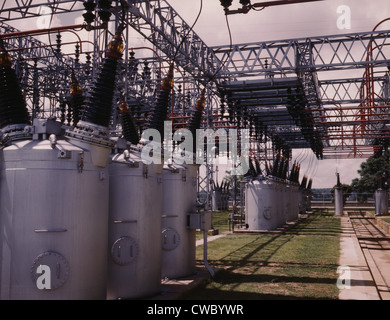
<point x="76" y="104"/>
<point x="129" y="128"/>
<point x="267" y="169"/>
<point x="258" y="169"/>
<point x="196" y="117"/>
<point x="104" y="10"/>
<point x="226" y="3"/>
<point x="281" y="168"/>
<point x="13" y="108"/>
<point x="275" y="167"/>
<point x="303" y="182"/>
<point x="98" y="107"/>
<point x="160" y="110"/>
<point x="76" y="101"/>
<point x="89" y="6"/>
<point x="252" y="170"/>
<point x="62" y="110"/>
<point x="245" y="2"/>
<point x="58" y="43"/>
<point x="309" y="185"/>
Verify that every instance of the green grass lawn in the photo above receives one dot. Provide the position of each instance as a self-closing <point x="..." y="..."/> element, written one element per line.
<point x="298" y="264"/>
<point x="220" y="221"/>
<point x="386" y="220"/>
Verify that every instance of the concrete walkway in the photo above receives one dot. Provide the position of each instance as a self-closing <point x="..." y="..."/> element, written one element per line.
<point x="357" y="280"/>
<point x="361" y="285"/>
<point x="212" y="238"/>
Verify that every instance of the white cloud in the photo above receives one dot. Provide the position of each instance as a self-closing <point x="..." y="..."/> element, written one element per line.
<point x="280" y="22"/>
<point x="323" y="172"/>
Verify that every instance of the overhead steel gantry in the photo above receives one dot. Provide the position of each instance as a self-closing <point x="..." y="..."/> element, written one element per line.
<point x="327" y="93"/>
<point x="347" y="111"/>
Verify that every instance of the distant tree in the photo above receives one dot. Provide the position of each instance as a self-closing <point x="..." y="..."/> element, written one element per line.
<point x="374" y="173"/>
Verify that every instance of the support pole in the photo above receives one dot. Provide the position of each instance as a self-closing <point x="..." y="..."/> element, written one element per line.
<point x="338" y="198"/>
<point x="381" y="202"/>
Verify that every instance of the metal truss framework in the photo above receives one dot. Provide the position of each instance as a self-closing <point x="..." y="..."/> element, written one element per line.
<point x="349" y="113"/>
<point x="328" y="93"/>
<point x="24" y="9"/>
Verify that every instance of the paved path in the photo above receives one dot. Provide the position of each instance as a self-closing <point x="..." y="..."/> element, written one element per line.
<point x="212" y="238"/>
<point x="367" y="258"/>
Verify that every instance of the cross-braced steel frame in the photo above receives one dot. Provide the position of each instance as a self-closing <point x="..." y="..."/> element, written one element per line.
<point x="327" y="93"/>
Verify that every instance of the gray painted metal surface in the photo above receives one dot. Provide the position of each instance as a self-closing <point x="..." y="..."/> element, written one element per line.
<point x="178" y="240"/>
<point x="53" y="219"/>
<point x="134" y="228"/>
<point x="381" y="202"/>
<point x="294" y="195"/>
<point x="338" y="201"/>
<point x="264" y="205"/>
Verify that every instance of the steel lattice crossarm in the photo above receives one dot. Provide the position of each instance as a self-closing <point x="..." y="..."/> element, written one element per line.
<point x="40" y="69"/>
<point x="159" y="23"/>
<point x="343" y="101"/>
<point x="347" y="91"/>
<point x="23" y="9"/>
<point x="156" y="20"/>
<point x="28" y="47"/>
<point x="326" y="53"/>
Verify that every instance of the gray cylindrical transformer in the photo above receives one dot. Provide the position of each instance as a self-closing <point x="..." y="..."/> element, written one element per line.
<point x="295" y="199"/>
<point x="301" y="201"/>
<point x="53" y="218"/>
<point x="287" y="201"/>
<point x="381" y="202"/>
<point x="338" y="201"/>
<point x="134" y="228"/>
<point x="280" y="201"/>
<point x="178" y="240"/>
<point x="261" y="205"/>
<point x="309" y="198"/>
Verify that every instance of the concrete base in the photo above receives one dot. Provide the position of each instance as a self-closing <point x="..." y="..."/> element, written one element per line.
<point x="338" y="202"/>
<point x="381" y="202"/>
<point x="362" y="285"/>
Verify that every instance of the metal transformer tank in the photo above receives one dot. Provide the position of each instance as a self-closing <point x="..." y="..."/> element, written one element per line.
<point x="295" y="202"/>
<point x="261" y="205"/>
<point x="304" y="201"/>
<point x="279" y="202"/>
<point x="309" y="197"/>
<point x="134" y="229"/>
<point x="178" y="239"/>
<point x="287" y="200"/>
<point x="381" y="202"/>
<point x="53" y="219"/>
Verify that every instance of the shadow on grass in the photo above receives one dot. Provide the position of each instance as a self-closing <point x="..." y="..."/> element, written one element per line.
<point x="227" y="277"/>
<point x="215" y="294"/>
<point x="275" y="267"/>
